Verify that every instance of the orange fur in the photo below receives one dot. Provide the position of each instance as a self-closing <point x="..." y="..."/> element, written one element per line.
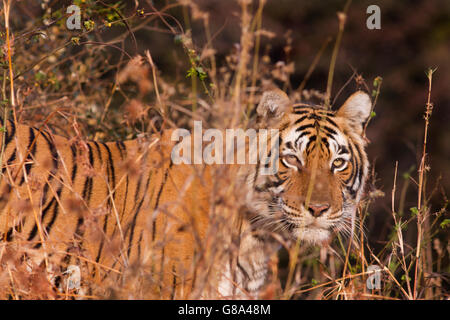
<point x="120" y="206"/>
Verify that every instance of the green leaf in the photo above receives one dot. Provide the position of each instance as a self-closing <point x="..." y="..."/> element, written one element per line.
<point x="414" y="211"/>
<point x="89" y="25"/>
<point x="191" y="73"/>
<point x="377" y="81"/>
<point x="201" y="73"/>
<point x="444" y="224"/>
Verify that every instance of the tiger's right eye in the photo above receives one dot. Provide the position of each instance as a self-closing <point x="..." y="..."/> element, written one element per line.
<point x="291" y="160"/>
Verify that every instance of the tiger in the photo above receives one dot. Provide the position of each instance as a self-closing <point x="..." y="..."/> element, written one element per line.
<point x="112" y="207"/>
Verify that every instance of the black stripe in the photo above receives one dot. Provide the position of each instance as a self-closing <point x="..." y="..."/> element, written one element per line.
<point x="327" y="112"/>
<point x="48" y="227"/>
<point x="300" y="136"/>
<point x="87" y="189"/>
<point x="301" y="110"/>
<point x="317" y="117"/>
<point x="54" y="169"/>
<point x="112" y="171"/>
<point x="30" y="154"/>
<point x="137" y="205"/>
<point x="121" y="147"/>
<point x="174" y="282"/>
<point x="351" y="191"/>
<point x="74" y="163"/>
<point x="360" y="167"/>
<point x="161" y="268"/>
<point x="300" y="120"/>
<point x="329" y="130"/>
<point x="34" y="230"/>
<point x="138" y="188"/>
<point x="136" y="213"/>
<point x="325" y="142"/>
<point x="343" y="150"/>
<point x="53" y="151"/>
<point x="331" y="121"/>
<point x="157" y="200"/>
<point x="91" y="156"/>
<point x="78" y="232"/>
<point x="8" y="162"/>
<point x="270" y="184"/>
<point x="112" y="184"/>
<point x="122" y="150"/>
<point x="354" y="162"/>
<point x="139" y="245"/>
<point x="111" y="178"/>
<point x="8" y="237"/>
<point x="98" y="151"/>
<point x="289" y="145"/>
<point x="356" y="174"/>
<point x="18" y="228"/>
<point x="86" y="194"/>
<point x="9" y="137"/>
<point x="311" y="140"/>
<point x="44" y="194"/>
<point x="244" y="272"/>
<point x="306" y="126"/>
<point x="53" y="218"/>
<point x="102" y="243"/>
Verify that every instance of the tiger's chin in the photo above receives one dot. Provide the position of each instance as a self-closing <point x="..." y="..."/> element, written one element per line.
<point x="312" y="235"/>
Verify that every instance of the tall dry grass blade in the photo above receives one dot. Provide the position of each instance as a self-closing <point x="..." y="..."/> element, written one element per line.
<point x="398" y="226"/>
<point x="258" y="20"/>
<point x="313" y="65"/>
<point x="244" y="57"/>
<point x="162" y="107"/>
<point x="6" y="10"/>
<point x="422" y="216"/>
<point x="342" y="17"/>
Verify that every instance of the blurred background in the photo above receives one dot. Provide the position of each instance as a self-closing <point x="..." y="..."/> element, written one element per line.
<point x="76" y="70"/>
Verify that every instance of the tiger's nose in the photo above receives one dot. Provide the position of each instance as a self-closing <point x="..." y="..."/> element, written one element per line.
<point x="317" y="210"/>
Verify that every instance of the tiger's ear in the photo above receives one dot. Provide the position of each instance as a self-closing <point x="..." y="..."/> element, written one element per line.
<point x="273" y="106"/>
<point x="356" y="109"/>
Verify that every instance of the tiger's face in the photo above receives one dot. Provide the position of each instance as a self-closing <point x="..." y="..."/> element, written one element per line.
<point x="322" y="168"/>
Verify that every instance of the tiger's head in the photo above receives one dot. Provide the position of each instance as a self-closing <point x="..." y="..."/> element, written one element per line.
<point x="322" y="167"/>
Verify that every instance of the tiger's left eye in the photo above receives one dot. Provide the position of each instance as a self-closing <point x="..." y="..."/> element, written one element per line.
<point x="338" y="163"/>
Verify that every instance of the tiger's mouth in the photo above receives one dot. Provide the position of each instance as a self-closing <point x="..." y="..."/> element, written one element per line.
<point x="312" y="233"/>
<point x="304" y="227"/>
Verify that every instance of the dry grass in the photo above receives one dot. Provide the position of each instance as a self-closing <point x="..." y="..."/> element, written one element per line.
<point x="65" y="79"/>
